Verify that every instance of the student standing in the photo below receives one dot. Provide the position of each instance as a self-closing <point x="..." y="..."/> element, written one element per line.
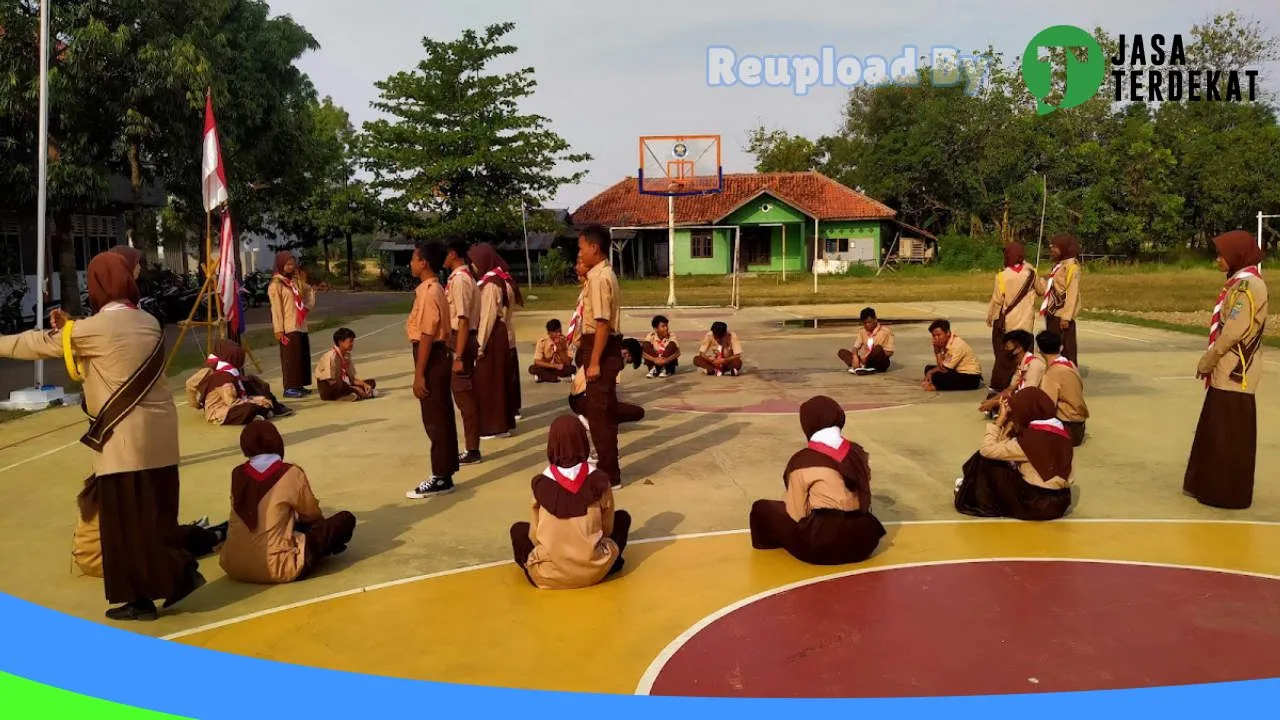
<point x="1012" y="307"/>
<point x="600" y="350"/>
<point x="872" y="348"/>
<point x="429" y="331"/>
<point x="1064" y="386"/>
<point x="1220" y="470"/>
<point x="133" y="433"/>
<point x="1062" y="293"/>
<point x="292" y="299"/>
<point x="497" y="413"/>
<point x="514" y="299"/>
<point x="956" y="366"/>
<point x="464" y="312"/>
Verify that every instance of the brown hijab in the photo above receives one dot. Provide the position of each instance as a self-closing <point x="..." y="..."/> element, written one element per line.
<point x="1048" y="451"/>
<point x="1014" y="254"/>
<point x="484" y="258"/>
<point x="818" y="413"/>
<point x="228" y="352"/>
<point x="110" y="280"/>
<point x="1067" y="244"/>
<point x="132" y="256"/>
<point x="1239" y="249"/>
<point x="567" y="446"/>
<point x="282" y="259"/>
<point x="248" y="486"/>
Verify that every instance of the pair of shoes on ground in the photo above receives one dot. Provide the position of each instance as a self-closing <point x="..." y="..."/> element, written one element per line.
<point x="660" y="372"/>
<point x="295" y="393"/>
<point x="861" y="371"/>
<point x="145" y="610"/>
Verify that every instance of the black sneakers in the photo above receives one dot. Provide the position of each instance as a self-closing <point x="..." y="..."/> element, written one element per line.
<point x="470" y="457"/>
<point x="431" y="488"/>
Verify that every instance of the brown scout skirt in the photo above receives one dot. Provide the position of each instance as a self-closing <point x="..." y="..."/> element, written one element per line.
<point x="142" y="553"/>
<point x="295" y="361"/>
<point x="1224" y="452"/>
<point x="824" y="537"/>
<point x="993" y="488"/>
<point x="491" y="384"/>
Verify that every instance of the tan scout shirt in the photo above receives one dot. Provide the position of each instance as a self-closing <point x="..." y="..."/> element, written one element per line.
<point x="1030" y="372"/>
<point x="284" y="311"/>
<point x="547" y="351"/>
<point x="490" y="312"/>
<point x="817" y="488"/>
<point x="430" y="313"/>
<point x="464" y="298"/>
<point x="600" y="300"/>
<point x="997" y="445"/>
<point x="274" y="553"/>
<point x="1063" y="384"/>
<point x="573" y="552"/>
<point x="509" y="316"/>
<point x="661" y="344"/>
<point x="1064" y="300"/>
<point x="710" y="346"/>
<point x="113" y="344"/>
<point x="220" y="400"/>
<point x="1007" y="286"/>
<point x="330" y="367"/>
<point x="1234" y="363"/>
<point x="881" y="338"/>
<point x="960" y="358"/>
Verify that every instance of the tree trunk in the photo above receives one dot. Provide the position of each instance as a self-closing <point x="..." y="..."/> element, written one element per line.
<point x="325" y="243"/>
<point x="68" y="279"/>
<point x="351" y="265"/>
<point x="135" y="183"/>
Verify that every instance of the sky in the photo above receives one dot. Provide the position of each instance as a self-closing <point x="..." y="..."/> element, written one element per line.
<point x="611" y="70"/>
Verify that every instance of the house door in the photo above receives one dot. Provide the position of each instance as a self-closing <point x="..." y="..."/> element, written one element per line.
<point x="757" y="247"/>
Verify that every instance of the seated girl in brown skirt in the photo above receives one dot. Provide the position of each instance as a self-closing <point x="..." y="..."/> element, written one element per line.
<point x="576" y="537"/>
<point x="826" y="517"/>
<point x="276" y="532"/>
<point x="1023" y="469"/>
<point x="226" y="393"/>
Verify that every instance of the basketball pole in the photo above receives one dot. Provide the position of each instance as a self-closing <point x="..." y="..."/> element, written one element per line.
<point x="671" y="251"/>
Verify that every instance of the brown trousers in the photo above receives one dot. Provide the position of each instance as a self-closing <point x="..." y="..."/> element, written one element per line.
<point x="602" y="402"/>
<point x="1224" y="453"/>
<point x="514" y="401"/>
<point x="491" y="385"/>
<point x="670" y="350"/>
<point x="706" y="364"/>
<point x="550" y="375"/>
<point x="142" y="553"/>
<point x="993" y="488"/>
<point x="295" y="360"/>
<point x="437" y="411"/>
<point x="950" y="380"/>
<point x="522" y="545"/>
<point x="877" y="360"/>
<point x="825" y="537"/>
<point x="331" y="390"/>
<point x="1068" y="336"/>
<point x="464" y="393"/>
<point x="325" y="538"/>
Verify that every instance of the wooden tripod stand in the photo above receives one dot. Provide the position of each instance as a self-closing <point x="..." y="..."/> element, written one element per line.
<point x="215" y="315"/>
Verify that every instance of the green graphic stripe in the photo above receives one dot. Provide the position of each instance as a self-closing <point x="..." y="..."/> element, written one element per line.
<point x="26" y="700"/>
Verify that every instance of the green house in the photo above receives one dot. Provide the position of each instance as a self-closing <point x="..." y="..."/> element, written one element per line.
<point x="774" y="220"/>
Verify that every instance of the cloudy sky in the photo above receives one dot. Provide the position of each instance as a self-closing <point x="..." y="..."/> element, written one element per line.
<point x="611" y="70"/>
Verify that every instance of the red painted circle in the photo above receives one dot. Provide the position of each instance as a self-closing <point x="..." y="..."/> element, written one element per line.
<point x="764" y="407"/>
<point x="989" y="628"/>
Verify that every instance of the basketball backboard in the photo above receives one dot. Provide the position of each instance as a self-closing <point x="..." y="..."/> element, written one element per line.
<point x="680" y="165"/>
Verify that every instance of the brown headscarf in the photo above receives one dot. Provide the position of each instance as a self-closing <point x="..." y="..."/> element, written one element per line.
<point x="818" y="413"/>
<point x="110" y="280"/>
<point x="133" y="256"/>
<point x="567" y="446"/>
<point x="282" y="259"/>
<point x="1239" y="249"/>
<point x="484" y="258"/>
<point x="247" y="486"/>
<point x="1050" y="453"/>
<point x="1067" y="244"/>
<point x="232" y="354"/>
<point x="1014" y="254"/>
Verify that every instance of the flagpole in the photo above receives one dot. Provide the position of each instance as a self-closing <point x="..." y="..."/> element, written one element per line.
<point x="42" y="196"/>
<point x="524" y="223"/>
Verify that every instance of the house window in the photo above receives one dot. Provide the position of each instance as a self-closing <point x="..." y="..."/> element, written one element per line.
<point x="10" y="249"/>
<point x="92" y="234"/>
<point x="836" y="246"/>
<point x="701" y="246"/>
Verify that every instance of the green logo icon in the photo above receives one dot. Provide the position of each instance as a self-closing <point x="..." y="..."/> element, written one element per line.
<point x="1083" y="78"/>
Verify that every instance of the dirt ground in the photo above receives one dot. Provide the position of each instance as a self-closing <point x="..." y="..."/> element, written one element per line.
<point x="694" y="464"/>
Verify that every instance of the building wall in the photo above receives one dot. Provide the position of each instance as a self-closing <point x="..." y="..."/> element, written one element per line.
<point x="720" y="262"/>
<point x="790" y="251"/>
<point x="856" y="231"/>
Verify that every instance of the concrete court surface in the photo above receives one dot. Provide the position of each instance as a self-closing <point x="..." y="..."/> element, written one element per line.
<point x="707" y="448"/>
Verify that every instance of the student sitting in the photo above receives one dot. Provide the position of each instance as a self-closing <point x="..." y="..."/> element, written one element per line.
<point x="551" y="355"/>
<point x="576" y="537"/>
<point x="1023" y="469"/>
<point x="226" y="393"/>
<point x="336" y="372"/>
<point x="661" y="352"/>
<point x="872" y="349"/>
<point x="1064" y="386"/>
<point x="826" y="517"/>
<point x="956" y="366"/>
<point x="720" y="352"/>
<point x="1029" y="369"/>
<point x="277" y="533"/>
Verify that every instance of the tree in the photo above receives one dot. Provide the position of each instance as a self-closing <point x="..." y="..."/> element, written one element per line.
<point x="780" y="151"/>
<point x="457" y="156"/>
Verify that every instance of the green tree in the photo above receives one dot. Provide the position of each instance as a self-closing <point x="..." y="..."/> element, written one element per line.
<point x="457" y="156"/>
<point x="780" y="151"/>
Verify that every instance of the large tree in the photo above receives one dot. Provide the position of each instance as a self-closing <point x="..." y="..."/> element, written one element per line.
<point x="456" y="156"/>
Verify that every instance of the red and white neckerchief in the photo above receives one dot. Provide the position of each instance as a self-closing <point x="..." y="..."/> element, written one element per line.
<point x="570" y="478"/>
<point x="575" y="322"/>
<point x="299" y="306"/>
<point x="496" y="273"/>
<point x="1053" y="426"/>
<point x="222" y="366"/>
<point x="345" y="363"/>
<point x="871" y="339"/>
<point x="1063" y="360"/>
<point x="831" y="443"/>
<point x="261" y="467"/>
<point x="1022" y="372"/>
<point x="1016" y="268"/>
<point x="1048" y="289"/>
<point x="119" y="305"/>
<point x="1215" y="324"/>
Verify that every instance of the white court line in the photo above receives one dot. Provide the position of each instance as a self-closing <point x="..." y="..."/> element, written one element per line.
<point x="672" y="538"/>
<point x="73" y="443"/>
<point x="651" y="673"/>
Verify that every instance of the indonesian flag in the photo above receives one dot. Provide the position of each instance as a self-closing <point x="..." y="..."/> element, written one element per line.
<point x="213" y="176"/>
<point x="228" y="282"/>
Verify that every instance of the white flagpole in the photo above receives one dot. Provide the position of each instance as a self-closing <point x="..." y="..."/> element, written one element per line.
<point x="524" y="224"/>
<point x="42" y="197"/>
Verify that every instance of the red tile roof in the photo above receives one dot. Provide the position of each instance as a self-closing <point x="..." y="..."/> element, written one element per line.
<point x="811" y="192"/>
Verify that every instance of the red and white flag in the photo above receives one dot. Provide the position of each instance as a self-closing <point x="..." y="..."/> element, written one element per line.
<point x="213" y="176"/>
<point x="228" y="282"/>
